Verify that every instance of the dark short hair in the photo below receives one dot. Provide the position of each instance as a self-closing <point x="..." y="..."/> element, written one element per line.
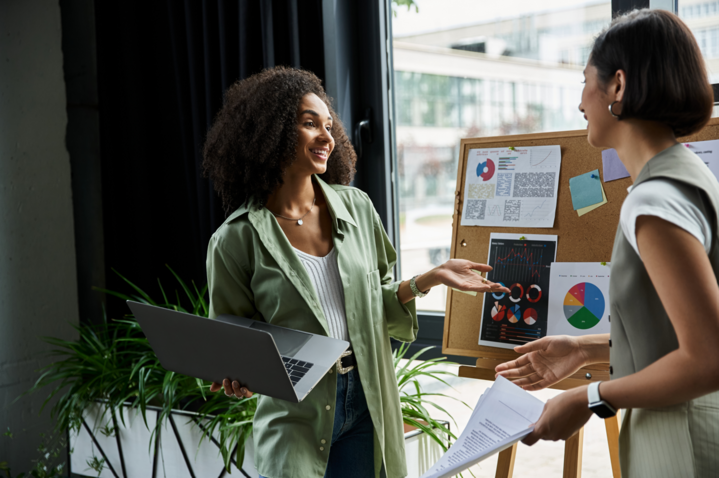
<point x="253" y="137"/>
<point x="666" y="76"/>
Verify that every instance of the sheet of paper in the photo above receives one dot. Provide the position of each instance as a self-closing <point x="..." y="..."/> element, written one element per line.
<point x="586" y="189"/>
<point x="708" y="151"/>
<point x="503" y="415"/>
<point x="511" y="187"/>
<point x="522" y="265"/>
<point x="612" y="166"/>
<point x="587" y="209"/>
<point x="578" y="298"/>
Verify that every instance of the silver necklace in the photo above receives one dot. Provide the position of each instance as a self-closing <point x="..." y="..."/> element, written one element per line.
<point x="299" y="220"/>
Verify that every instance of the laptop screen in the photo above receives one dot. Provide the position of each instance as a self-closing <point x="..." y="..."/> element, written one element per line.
<point x="288" y="341"/>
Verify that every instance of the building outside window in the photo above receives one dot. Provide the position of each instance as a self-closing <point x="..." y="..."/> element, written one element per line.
<point x="702" y="17"/>
<point x="465" y="69"/>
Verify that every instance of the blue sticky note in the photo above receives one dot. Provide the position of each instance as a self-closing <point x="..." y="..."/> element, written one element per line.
<point x="586" y="189"/>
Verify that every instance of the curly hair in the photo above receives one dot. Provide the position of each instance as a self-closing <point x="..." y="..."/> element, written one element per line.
<point x="253" y="138"/>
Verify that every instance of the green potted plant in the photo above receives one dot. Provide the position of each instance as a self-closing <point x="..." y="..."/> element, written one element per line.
<point x="111" y="368"/>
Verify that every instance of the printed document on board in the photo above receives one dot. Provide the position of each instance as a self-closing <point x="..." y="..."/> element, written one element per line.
<point x="503" y="415"/>
<point x="511" y="187"/>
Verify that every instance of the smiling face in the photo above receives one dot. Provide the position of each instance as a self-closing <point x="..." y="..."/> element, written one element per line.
<point x="314" y="140"/>
<point x="596" y="98"/>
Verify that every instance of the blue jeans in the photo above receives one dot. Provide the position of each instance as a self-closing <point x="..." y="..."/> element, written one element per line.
<point x="352" y="449"/>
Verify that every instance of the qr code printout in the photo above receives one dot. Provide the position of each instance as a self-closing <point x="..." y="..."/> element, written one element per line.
<point x="475" y="209"/>
<point x="511" y="209"/>
<point x="534" y="185"/>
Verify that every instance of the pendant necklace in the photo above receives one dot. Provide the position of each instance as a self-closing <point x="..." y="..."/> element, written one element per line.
<point x="299" y="220"/>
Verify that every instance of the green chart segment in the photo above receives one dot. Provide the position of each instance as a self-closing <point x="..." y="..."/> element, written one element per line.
<point x="584" y="305"/>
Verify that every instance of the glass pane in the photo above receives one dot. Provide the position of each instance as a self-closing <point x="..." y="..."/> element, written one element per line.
<point x="702" y="17"/>
<point x="465" y="68"/>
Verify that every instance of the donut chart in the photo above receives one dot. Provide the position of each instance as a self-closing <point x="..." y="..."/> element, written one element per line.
<point x="529" y="293"/>
<point x="499" y="296"/>
<point x="512" y="288"/>
<point x="514" y="314"/>
<point x="489" y="173"/>
<point x="584" y="305"/>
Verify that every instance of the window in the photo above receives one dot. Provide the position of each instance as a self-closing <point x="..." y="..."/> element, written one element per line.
<point x="702" y="17"/>
<point x="464" y="68"/>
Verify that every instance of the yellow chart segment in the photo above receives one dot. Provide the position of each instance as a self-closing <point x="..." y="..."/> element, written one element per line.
<point x="569" y="299"/>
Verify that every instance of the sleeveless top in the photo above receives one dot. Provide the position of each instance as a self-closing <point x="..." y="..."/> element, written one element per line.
<point x="681" y="440"/>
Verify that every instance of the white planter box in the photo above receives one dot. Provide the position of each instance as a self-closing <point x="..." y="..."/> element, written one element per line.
<point x="177" y="454"/>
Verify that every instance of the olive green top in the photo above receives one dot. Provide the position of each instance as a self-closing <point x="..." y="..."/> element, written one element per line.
<point x="252" y="271"/>
<point x="681" y="440"/>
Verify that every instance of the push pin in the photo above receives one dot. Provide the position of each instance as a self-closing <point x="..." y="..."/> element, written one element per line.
<point x="594" y="175"/>
<point x="588" y="375"/>
<point x="463" y="243"/>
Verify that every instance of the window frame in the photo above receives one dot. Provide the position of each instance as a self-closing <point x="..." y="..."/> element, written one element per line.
<point x="431" y="324"/>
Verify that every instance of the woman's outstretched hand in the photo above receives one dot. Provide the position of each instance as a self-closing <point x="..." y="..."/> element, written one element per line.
<point x="464" y="275"/>
<point x="545" y="362"/>
<point x="233" y="389"/>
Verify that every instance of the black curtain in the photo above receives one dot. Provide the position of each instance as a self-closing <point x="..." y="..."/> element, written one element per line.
<point x="162" y="69"/>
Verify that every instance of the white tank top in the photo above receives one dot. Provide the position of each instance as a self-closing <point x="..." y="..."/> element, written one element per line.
<point x="325" y="276"/>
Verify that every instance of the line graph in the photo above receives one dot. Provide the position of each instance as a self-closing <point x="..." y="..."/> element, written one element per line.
<point x="521" y="264"/>
<point x="533" y="213"/>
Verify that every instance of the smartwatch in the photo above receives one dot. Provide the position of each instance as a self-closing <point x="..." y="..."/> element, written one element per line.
<point x="600" y="408"/>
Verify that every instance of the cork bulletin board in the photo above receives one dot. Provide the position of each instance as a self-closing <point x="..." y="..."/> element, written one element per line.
<point x="588" y="238"/>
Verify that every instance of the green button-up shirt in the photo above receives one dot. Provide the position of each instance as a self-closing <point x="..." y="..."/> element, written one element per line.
<point x="253" y="272"/>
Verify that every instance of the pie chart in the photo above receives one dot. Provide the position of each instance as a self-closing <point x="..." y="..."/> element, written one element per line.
<point x="584" y="305"/>
<point x="530" y="316"/>
<point x="489" y="173"/>
<point x="498" y="311"/>
<point x="513" y="314"/>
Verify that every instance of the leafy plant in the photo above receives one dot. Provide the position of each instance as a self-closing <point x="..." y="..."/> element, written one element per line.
<point x="48" y="465"/>
<point x="113" y="364"/>
<point x="414" y="402"/>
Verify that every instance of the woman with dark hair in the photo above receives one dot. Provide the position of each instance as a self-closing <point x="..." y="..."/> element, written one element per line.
<point x="302" y="249"/>
<point x="646" y="85"/>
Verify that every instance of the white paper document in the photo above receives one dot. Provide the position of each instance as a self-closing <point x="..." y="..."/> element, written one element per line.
<point x="708" y="151"/>
<point x="511" y="187"/>
<point x="578" y="298"/>
<point x="503" y="415"/>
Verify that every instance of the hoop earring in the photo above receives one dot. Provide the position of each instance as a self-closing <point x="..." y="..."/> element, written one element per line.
<point x="612" y="112"/>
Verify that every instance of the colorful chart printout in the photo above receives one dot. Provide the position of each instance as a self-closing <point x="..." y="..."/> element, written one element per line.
<point x="511" y="187"/>
<point x="579" y="298"/>
<point x="519" y="316"/>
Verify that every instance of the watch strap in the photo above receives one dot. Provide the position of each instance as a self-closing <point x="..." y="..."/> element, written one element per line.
<point x="593" y="393"/>
<point x="415" y="289"/>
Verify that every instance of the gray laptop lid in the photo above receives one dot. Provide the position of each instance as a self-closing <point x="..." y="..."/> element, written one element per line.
<point x="217" y="349"/>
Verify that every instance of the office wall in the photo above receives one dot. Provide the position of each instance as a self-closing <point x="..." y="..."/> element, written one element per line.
<point x="38" y="291"/>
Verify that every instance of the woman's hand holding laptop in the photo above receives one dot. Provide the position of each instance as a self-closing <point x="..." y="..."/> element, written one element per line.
<point x="231" y="389"/>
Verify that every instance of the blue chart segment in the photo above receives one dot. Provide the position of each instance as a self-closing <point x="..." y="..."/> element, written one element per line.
<point x="594" y="300"/>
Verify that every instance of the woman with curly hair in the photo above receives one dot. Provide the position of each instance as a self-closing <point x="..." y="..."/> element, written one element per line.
<point x="302" y="249"/>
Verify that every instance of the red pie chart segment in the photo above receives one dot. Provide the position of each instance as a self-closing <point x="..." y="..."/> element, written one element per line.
<point x="498" y="311"/>
<point x="578" y="292"/>
<point x="530" y="316"/>
<point x="489" y="173"/>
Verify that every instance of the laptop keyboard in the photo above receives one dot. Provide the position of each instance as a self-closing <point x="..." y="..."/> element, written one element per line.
<point x="296" y="368"/>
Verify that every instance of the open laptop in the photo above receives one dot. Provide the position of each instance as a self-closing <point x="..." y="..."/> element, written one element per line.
<point x="267" y="359"/>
